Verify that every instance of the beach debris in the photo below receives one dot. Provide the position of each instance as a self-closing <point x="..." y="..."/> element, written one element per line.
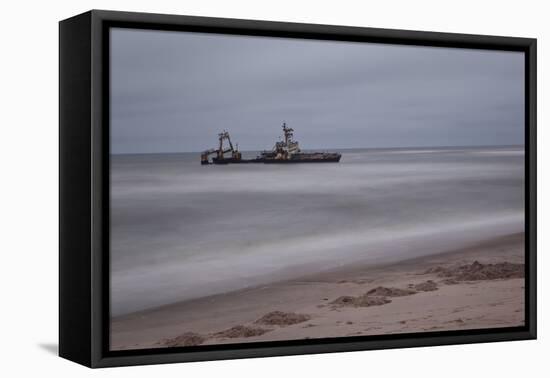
<point x="382" y="291"/>
<point x="426" y="286"/>
<point x="240" y="331"/>
<point x="360" y="301"/>
<point x="477" y="271"/>
<point x="282" y="318"/>
<point x="185" y="339"/>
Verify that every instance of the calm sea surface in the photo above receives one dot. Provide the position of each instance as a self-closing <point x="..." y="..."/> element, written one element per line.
<point x="180" y="230"/>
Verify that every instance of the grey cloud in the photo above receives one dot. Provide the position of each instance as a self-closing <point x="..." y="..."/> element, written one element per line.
<point x="174" y="91"/>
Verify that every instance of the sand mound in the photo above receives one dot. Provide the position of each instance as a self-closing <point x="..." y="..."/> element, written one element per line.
<point x="382" y="291"/>
<point x="240" y="331"/>
<point x="186" y="339"/>
<point x="426" y="286"/>
<point x="282" y="318"/>
<point x="434" y="269"/>
<point x="360" y="301"/>
<point x="478" y="272"/>
<point x="450" y="281"/>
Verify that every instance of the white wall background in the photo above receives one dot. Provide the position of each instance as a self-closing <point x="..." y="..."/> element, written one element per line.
<point x="28" y="211"/>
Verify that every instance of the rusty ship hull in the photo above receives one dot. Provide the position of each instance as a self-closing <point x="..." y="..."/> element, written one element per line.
<point x="234" y="161"/>
<point x="333" y="158"/>
<point x="304" y="158"/>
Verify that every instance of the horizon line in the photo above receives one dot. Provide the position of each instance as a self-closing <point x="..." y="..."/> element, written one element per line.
<point x="325" y="149"/>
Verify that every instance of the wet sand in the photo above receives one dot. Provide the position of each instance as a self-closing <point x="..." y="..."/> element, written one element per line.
<point x="481" y="286"/>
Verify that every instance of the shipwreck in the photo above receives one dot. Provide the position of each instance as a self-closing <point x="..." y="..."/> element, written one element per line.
<point x="283" y="152"/>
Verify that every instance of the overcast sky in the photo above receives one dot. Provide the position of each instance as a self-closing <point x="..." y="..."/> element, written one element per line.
<point x="174" y="91"/>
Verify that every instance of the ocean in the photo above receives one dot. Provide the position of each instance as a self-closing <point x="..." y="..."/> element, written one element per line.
<point x="180" y="230"/>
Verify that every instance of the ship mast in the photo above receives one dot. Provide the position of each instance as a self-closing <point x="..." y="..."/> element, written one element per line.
<point x="288" y="131"/>
<point x="221" y="151"/>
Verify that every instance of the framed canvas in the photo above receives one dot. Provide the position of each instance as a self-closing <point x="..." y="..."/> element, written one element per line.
<point x="235" y="188"/>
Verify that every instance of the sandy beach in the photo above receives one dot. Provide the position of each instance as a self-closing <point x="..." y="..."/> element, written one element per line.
<point x="481" y="286"/>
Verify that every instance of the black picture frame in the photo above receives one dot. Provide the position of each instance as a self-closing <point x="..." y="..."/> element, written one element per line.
<point x="84" y="187"/>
